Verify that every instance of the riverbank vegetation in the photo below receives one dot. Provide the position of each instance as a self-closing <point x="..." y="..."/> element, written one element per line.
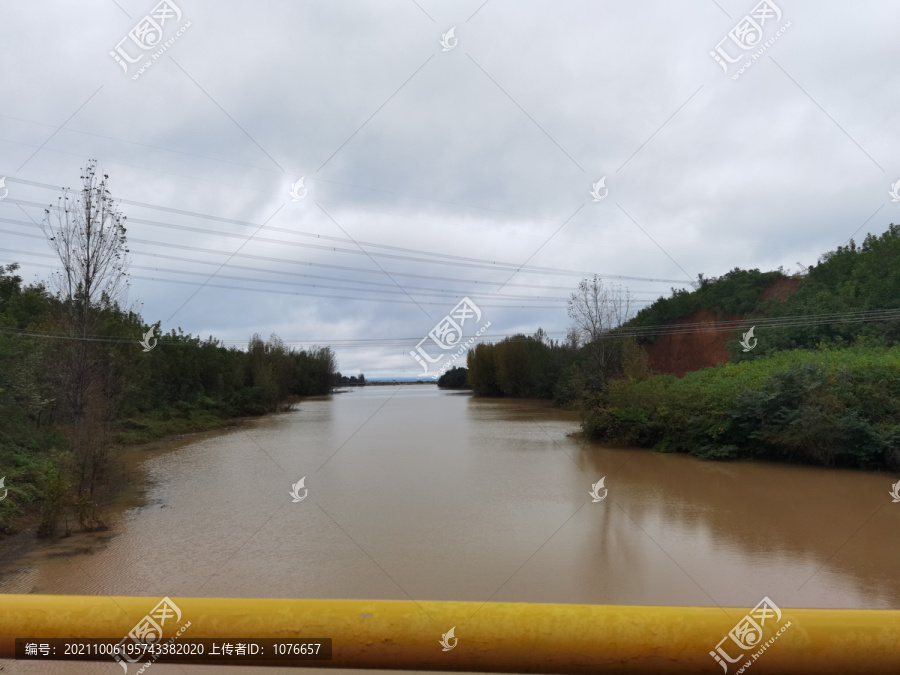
<point x="535" y="366"/>
<point x="835" y="407"/>
<point x="821" y="386"/>
<point x="520" y="366"/>
<point x="80" y="375"/>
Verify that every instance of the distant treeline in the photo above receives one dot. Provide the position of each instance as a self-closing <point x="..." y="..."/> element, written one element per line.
<point x="455" y="378"/>
<point x="352" y="381"/>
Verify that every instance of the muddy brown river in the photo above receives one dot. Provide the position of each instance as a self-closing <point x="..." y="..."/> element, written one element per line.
<point x="426" y="494"/>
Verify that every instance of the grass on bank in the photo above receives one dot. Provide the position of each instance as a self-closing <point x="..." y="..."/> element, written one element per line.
<point x="829" y="407"/>
<point x="37" y="462"/>
<point x="181" y="418"/>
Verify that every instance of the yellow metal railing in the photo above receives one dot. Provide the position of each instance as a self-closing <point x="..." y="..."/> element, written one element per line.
<point x="492" y="637"/>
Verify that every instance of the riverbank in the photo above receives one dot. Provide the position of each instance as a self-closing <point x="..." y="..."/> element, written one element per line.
<point x="126" y="491"/>
<point x="42" y="469"/>
<point x="828" y="407"/>
<point x="183" y="418"/>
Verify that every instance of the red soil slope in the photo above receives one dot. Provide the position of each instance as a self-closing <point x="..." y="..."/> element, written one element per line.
<point x="686" y="352"/>
<point x="782" y="288"/>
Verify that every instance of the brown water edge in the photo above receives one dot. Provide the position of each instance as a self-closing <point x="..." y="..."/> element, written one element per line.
<point x="24" y="549"/>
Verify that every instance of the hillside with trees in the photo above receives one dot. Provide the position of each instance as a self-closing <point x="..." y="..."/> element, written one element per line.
<point x="820" y="384"/>
<point x="850" y="279"/>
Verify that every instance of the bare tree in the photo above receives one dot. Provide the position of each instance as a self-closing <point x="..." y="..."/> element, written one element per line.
<point x="596" y="309"/>
<point x="86" y="230"/>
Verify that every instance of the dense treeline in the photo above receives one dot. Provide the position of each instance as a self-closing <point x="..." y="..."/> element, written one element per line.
<point x="569" y="372"/>
<point x="185" y="370"/>
<point x="183" y="383"/>
<point x="520" y="366"/>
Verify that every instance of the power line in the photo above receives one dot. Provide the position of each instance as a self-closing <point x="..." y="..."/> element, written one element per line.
<point x="315" y="295"/>
<point x="285" y="261"/>
<point x="417" y="290"/>
<point x="801" y="320"/>
<point x="370" y="283"/>
<point x="424" y="291"/>
<point x="787" y="321"/>
<point x="491" y="264"/>
<point x="365" y="342"/>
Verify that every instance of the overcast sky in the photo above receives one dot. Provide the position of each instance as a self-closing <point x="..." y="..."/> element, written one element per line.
<point x="427" y="164"/>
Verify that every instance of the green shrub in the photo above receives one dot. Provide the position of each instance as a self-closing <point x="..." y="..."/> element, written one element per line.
<point x="834" y="407"/>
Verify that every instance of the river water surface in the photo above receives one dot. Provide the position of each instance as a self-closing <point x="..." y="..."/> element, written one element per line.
<point x="434" y="495"/>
